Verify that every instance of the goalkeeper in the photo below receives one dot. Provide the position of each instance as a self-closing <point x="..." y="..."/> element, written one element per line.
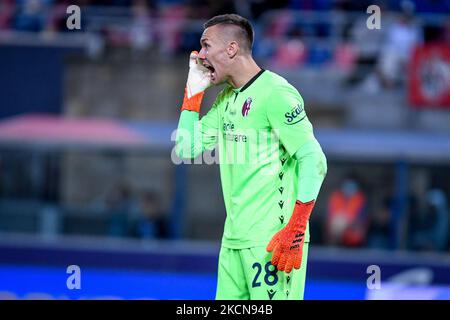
<point x="271" y="165"/>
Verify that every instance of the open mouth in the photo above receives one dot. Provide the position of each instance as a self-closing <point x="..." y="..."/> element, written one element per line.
<point x="210" y="68"/>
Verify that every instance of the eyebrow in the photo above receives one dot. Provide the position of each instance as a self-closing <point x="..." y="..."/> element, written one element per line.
<point x="203" y="40"/>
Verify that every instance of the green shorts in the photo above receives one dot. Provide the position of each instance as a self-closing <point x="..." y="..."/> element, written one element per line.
<point x="247" y="274"/>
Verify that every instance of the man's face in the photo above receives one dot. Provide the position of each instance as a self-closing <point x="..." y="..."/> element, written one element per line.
<point x="213" y="54"/>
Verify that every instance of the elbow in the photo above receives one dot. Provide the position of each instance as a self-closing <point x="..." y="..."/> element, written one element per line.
<point x="186" y="147"/>
<point x="185" y="152"/>
<point x="312" y="160"/>
<point x="181" y="153"/>
<point x="323" y="165"/>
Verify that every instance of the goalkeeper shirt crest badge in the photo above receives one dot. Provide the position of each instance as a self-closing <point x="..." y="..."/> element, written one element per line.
<point x="246" y="107"/>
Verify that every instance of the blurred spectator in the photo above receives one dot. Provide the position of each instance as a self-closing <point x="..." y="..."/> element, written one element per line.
<point x="365" y="47"/>
<point x="379" y="232"/>
<point x="291" y="54"/>
<point x="345" y="57"/>
<point x="151" y="222"/>
<point x="6" y="12"/>
<point x="170" y="35"/>
<point x="430" y="230"/>
<point x="141" y="36"/>
<point x="346" y="217"/>
<point x="402" y="37"/>
<point x="282" y="41"/>
<point x="30" y="16"/>
<point x="120" y="205"/>
<point x="58" y="17"/>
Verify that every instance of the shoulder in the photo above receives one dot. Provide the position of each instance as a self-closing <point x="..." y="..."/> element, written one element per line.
<point x="275" y="78"/>
<point x="281" y="91"/>
<point x="279" y="85"/>
<point x="222" y="96"/>
<point x="224" y="93"/>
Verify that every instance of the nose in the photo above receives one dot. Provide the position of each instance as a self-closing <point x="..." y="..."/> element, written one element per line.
<point x="202" y="54"/>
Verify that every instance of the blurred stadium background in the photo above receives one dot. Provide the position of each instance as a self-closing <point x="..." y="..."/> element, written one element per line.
<point x="86" y="118"/>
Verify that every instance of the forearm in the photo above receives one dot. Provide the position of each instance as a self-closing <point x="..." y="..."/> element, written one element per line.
<point x="312" y="166"/>
<point x="188" y="142"/>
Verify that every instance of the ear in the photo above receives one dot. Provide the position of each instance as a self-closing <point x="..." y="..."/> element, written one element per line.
<point x="232" y="49"/>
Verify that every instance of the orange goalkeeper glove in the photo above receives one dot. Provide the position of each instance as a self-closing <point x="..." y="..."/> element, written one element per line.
<point x="199" y="79"/>
<point x="287" y="244"/>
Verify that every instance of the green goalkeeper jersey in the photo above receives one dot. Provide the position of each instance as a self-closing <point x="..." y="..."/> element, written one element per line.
<point x="257" y="129"/>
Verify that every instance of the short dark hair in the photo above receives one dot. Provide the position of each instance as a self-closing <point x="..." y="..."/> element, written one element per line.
<point x="234" y="20"/>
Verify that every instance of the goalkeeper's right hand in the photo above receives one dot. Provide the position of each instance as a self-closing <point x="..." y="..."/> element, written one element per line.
<point x="199" y="79"/>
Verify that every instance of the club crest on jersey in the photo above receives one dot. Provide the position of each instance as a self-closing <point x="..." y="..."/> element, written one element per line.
<point x="246" y="107"/>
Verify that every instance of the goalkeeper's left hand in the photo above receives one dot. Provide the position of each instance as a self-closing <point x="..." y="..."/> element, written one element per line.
<point x="199" y="79"/>
<point x="287" y="244"/>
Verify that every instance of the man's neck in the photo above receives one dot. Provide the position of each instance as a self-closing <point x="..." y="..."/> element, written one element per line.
<point x="244" y="70"/>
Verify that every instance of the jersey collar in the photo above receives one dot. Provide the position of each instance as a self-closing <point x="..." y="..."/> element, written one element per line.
<point x="249" y="83"/>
